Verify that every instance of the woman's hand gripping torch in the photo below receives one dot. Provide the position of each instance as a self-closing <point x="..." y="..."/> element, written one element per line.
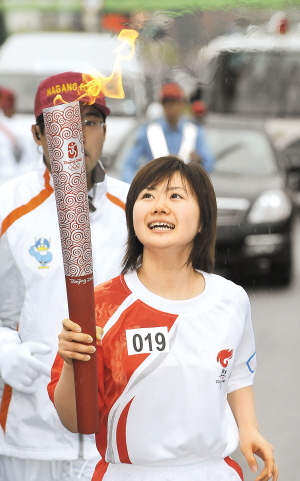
<point x="65" y="144"/>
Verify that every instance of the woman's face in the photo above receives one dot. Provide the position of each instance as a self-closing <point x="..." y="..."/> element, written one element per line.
<point x="167" y="216"/>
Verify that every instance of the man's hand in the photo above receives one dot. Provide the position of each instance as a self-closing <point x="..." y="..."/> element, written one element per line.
<point x="19" y="367"/>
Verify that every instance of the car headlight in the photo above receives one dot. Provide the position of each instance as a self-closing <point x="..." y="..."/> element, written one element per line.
<point x="271" y="206"/>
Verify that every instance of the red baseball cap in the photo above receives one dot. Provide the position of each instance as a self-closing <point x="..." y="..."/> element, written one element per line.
<point x="69" y="86"/>
<point x="198" y="107"/>
<point x="7" y="98"/>
<point x="172" y="91"/>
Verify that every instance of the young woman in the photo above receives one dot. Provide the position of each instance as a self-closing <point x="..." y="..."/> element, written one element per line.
<point x="177" y="358"/>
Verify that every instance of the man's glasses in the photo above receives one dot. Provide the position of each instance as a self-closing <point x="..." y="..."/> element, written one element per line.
<point x="94" y="124"/>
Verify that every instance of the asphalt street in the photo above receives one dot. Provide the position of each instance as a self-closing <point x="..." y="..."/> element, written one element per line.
<point x="276" y="321"/>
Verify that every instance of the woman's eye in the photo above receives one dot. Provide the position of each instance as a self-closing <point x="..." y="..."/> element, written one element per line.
<point x="176" y="196"/>
<point x="146" y="196"/>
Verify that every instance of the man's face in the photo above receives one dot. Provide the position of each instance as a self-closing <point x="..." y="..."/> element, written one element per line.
<point x="172" y="109"/>
<point x="93" y="138"/>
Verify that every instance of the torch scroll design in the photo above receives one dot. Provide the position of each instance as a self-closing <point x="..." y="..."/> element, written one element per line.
<point x="66" y="151"/>
<point x="65" y="145"/>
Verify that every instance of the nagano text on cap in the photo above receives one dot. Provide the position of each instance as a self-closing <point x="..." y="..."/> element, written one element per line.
<point x="69" y="86"/>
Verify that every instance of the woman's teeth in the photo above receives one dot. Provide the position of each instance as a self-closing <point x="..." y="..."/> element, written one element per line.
<point x="162" y="225"/>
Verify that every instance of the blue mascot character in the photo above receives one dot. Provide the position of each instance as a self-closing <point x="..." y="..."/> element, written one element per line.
<point x="41" y="253"/>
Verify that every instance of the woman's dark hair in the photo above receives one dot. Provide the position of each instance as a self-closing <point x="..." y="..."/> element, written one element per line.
<point x="202" y="255"/>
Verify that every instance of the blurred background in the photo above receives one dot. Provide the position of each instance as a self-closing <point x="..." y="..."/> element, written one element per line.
<point x="239" y="66"/>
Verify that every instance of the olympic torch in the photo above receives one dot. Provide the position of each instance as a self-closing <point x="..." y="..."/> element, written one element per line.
<point x="63" y="127"/>
<point x="66" y="152"/>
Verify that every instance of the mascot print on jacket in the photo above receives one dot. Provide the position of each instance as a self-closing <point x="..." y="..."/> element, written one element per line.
<point x="41" y="253"/>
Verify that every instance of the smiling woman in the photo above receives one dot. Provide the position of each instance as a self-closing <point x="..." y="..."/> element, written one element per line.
<point x="166" y="220"/>
<point x="176" y="346"/>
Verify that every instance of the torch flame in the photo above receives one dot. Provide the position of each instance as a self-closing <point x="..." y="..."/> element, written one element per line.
<point x="111" y="86"/>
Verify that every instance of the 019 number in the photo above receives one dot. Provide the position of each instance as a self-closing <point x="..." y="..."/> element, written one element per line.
<point x="159" y="342"/>
<point x="149" y="340"/>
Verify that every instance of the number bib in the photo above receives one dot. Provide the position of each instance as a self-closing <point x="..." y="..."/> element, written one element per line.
<point x="147" y="340"/>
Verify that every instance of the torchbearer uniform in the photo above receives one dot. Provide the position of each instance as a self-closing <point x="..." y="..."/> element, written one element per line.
<point x="165" y="368"/>
<point x="33" y="302"/>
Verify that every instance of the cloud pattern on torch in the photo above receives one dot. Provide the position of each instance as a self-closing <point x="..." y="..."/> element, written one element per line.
<point x="65" y="144"/>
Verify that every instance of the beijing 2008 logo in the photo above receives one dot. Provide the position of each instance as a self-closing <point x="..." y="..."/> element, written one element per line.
<point x="223" y="358"/>
<point x="72" y="150"/>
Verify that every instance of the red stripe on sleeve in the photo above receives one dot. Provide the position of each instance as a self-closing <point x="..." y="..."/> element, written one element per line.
<point x="55" y="375"/>
<point x="121" y="435"/>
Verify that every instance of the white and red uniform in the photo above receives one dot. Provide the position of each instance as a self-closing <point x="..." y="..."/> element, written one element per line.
<point x="33" y="301"/>
<point x="165" y="369"/>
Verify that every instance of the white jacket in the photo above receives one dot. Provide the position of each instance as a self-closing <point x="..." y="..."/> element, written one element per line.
<point x="33" y="300"/>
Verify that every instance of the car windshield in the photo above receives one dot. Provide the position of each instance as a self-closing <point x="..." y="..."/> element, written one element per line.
<point x="239" y="151"/>
<point x="263" y="83"/>
<point x="25" y="87"/>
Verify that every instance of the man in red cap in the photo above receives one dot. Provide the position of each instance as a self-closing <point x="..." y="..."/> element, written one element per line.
<point x="70" y="87"/>
<point x="198" y="109"/>
<point x="34" y="445"/>
<point x="7" y="101"/>
<point x="171" y="134"/>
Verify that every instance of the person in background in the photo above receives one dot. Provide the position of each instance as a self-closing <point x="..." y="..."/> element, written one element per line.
<point x="7" y="102"/>
<point x="171" y="134"/>
<point x="176" y="351"/>
<point x="198" y="106"/>
<point x="198" y="110"/>
<point x="18" y="152"/>
<point x="33" y="443"/>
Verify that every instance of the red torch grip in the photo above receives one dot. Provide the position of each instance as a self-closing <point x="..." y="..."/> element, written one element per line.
<point x="82" y="311"/>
